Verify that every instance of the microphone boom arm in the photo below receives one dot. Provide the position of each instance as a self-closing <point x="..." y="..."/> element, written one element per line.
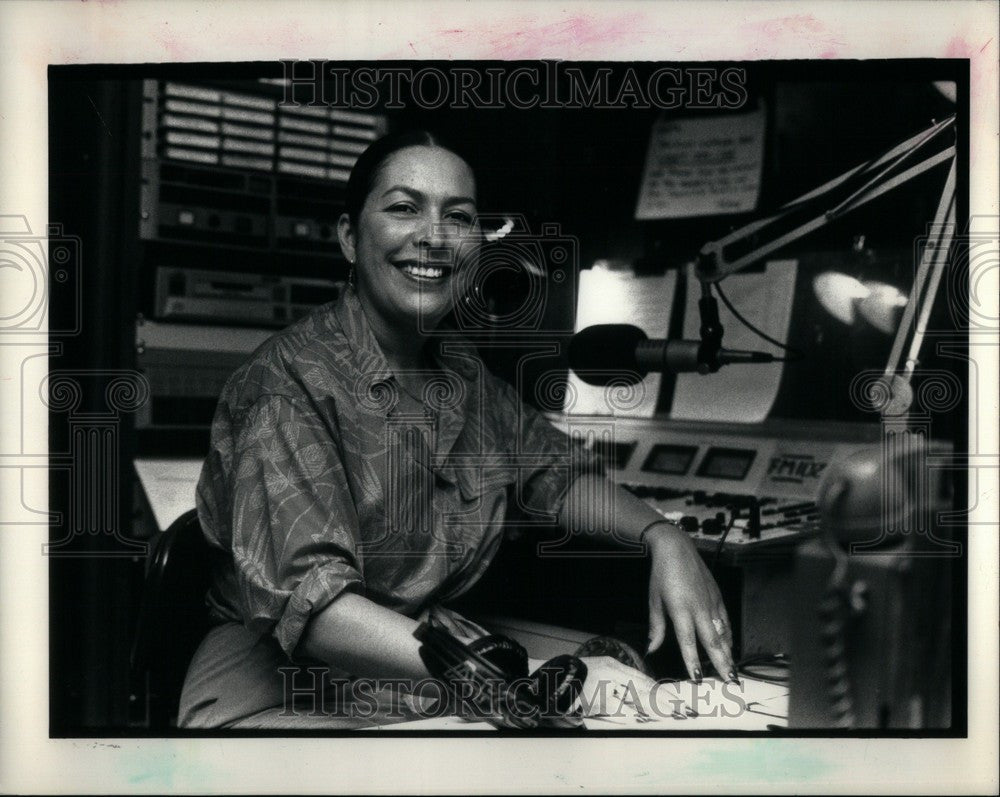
<point x="712" y="265"/>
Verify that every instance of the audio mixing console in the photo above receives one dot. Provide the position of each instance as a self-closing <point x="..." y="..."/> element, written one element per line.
<point x="740" y="491"/>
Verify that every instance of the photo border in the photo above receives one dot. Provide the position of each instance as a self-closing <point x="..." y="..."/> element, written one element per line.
<point x="38" y="34"/>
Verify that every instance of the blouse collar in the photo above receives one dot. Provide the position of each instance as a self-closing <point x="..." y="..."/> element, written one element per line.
<point x="451" y="353"/>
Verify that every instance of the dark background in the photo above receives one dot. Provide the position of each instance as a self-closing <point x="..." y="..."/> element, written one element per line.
<point x="580" y="168"/>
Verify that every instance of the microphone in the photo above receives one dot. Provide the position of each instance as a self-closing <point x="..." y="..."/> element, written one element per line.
<point x="607" y="354"/>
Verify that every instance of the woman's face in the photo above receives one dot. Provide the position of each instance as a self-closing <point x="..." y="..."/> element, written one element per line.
<point x="415" y="227"/>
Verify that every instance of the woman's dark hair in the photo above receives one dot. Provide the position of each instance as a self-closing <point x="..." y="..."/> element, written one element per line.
<point x="366" y="168"/>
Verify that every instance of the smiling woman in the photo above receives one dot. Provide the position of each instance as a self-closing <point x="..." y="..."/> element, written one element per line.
<point x="409" y="226"/>
<point x="361" y="475"/>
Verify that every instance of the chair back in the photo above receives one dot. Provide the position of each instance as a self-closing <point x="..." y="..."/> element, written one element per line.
<point x="173" y="617"/>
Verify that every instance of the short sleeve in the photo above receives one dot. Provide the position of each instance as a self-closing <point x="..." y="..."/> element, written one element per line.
<point x="552" y="460"/>
<point x="294" y="523"/>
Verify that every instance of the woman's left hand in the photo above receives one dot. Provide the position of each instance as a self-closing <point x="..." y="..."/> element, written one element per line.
<point x="681" y="586"/>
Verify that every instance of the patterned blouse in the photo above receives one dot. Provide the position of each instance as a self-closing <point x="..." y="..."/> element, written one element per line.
<point x="324" y="476"/>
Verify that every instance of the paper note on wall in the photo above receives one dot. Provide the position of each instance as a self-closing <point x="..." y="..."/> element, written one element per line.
<point x="619" y="297"/>
<point x="739" y="393"/>
<point x="702" y="166"/>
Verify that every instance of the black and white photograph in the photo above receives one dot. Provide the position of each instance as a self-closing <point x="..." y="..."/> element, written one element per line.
<point x="581" y="418"/>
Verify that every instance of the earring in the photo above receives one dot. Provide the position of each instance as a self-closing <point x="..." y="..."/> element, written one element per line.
<point x="350" y="276"/>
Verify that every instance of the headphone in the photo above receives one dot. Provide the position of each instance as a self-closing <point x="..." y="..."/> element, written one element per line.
<point x="489" y="678"/>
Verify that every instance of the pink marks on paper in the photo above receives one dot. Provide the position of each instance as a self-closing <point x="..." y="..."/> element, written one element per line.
<point x="774" y="37"/>
<point x="958" y="47"/>
<point x="174" y="44"/>
<point x="512" y="39"/>
<point x="983" y="65"/>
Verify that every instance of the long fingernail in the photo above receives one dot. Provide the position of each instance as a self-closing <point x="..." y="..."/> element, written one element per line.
<point x="732" y="677"/>
<point x="697" y="675"/>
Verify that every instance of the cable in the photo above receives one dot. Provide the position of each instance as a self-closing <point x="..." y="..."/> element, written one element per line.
<point x="798" y="353"/>
<point x="764" y="658"/>
<point x="722" y="541"/>
<point x="833" y="614"/>
<point x="776" y="660"/>
<point x="746" y="666"/>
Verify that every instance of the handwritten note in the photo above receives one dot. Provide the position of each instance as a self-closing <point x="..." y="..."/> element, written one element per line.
<point x="703" y="167"/>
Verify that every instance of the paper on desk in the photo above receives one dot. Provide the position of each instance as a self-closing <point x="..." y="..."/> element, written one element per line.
<point x="619" y="297"/>
<point x="619" y="697"/>
<point x="446" y="723"/>
<point x="703" y="166"/>
<point x="739" y="393"/>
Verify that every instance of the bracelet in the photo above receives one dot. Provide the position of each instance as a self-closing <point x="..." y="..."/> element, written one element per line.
<point x="642" y="534"/>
